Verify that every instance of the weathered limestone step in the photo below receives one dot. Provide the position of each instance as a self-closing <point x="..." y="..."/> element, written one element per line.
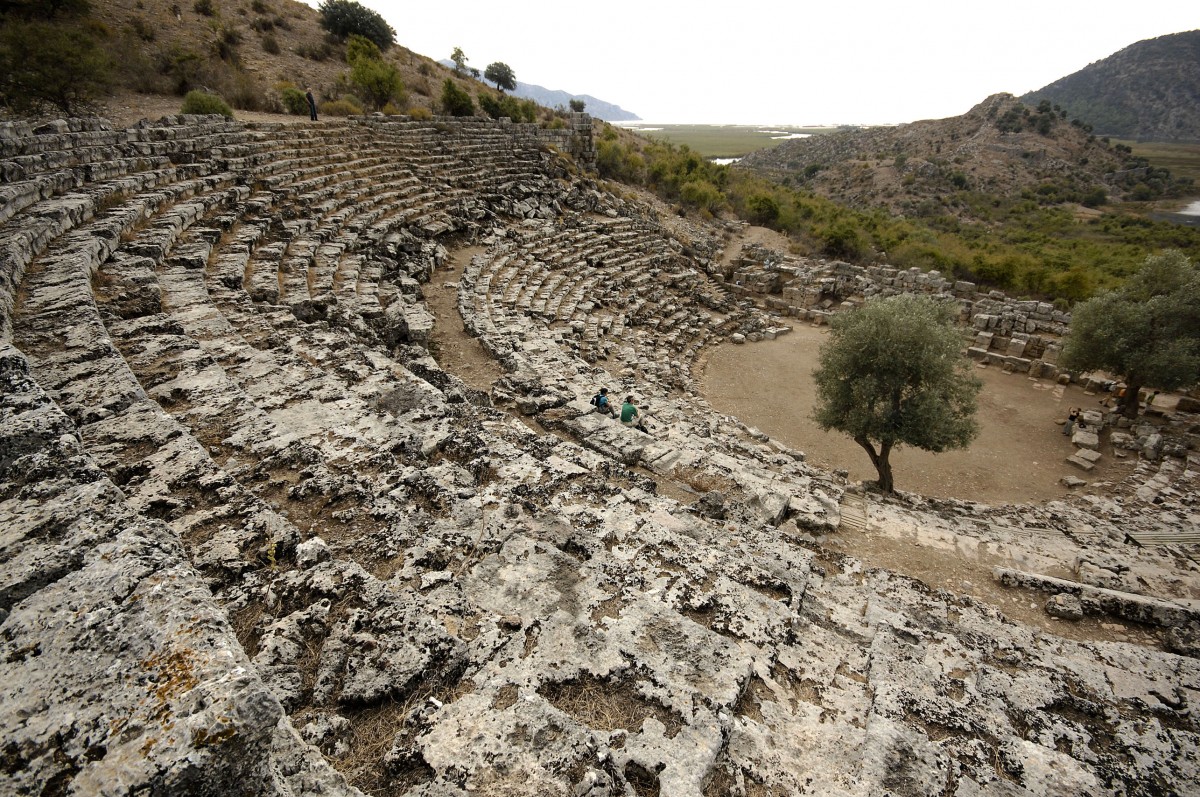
<point x="1138" y="608"/>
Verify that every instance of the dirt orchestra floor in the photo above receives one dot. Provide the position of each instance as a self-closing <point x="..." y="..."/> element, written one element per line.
<point x="1018" y="457"/>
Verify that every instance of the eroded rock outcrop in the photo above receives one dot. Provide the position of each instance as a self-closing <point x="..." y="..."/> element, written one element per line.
<point x="256" y="540"/>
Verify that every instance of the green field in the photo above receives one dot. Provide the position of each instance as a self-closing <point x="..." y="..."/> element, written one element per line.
<point x="1182" y="159"/>
<point x="723" y="141"/>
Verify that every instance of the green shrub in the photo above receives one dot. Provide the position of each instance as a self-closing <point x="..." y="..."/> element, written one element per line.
<point x="204" y="8"/>
<point x="271" y="45"/>
<point x="378" y="81"/>
<point x="141" y="29"/>
<point x="44" y="64"/>
<point x="420" y="113"/>
<point x="347" y="17"/>
<point x="259" y="7"/>
<point x="342" y="107"/>
<point x="316" y="52"/>
<point x="294" y="101"/>
<point x="455" y="100"/>
<point x="762" y="209"/>
<point x="200" y="102"/>
<point x="702" y="194"/>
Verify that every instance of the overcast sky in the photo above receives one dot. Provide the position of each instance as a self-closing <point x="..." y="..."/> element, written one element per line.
<point x="762" y="62"/>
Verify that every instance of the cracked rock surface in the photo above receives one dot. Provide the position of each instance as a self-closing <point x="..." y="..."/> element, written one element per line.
<point x="255" y="540"/>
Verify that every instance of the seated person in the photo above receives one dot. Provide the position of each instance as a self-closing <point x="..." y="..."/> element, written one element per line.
<point x="601" y="403"/>
<point x="631" y="417"/>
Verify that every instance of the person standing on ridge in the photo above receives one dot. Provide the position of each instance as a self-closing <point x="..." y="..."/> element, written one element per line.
<point x="312" y="103"/>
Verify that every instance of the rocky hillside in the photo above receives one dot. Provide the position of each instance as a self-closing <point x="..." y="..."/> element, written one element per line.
<point x="1000" y="147"/>
<point x="243" y="50"/>
<point x="1149" y="91"/>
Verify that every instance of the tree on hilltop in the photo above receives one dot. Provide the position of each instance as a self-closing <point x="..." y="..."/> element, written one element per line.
<point x="460" y="60"/>
<point x="346" y="17"/>
<point x="892" y="373"/>
<point x="502" y="75"/>
<point x="1146" y="332"/>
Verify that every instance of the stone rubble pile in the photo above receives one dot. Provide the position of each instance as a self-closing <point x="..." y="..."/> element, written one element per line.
<point x="256" y="540"/>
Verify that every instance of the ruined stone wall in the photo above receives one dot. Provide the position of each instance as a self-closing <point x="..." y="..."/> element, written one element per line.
<point x="1019" y="334"/>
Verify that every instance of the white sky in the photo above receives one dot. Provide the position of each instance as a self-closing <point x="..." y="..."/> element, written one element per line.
<point x="779" y="62"/>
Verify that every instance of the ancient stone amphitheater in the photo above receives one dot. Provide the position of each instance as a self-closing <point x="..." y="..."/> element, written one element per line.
<point x="254" y="539"/>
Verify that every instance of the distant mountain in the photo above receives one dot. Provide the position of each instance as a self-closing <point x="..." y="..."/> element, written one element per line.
<point x="553" y="98"/>
<point x="1149" y="91"/>
<point x="1000" y="148"/>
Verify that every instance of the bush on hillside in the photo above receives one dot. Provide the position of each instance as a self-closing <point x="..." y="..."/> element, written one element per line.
<point x="294" y="101"/>
<point x="45" y="64"/>
<point x="342" y="107"/>
<point x="45" y="9"/>
<point x="456" y="101"/>
<point x="510" y="107"/>
<point x="347" y="17"/>
<point x="200" y="102"/>
<point x="378" y="80"/>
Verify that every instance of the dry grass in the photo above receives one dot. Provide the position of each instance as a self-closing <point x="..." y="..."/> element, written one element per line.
<point x="608" y="706"/>
<point x="377" y="729"/>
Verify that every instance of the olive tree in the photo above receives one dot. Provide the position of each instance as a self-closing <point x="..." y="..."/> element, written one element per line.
<point x="502" y="75"/>
<point x="346" y="17"/>
<point x="892" y="373"/>
<point x="1147" y="332"/>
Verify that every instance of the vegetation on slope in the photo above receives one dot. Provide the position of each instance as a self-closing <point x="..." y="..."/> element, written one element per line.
<point x="256" y="55"/>
<point x="1036" y="242"/>
<point x="1147" y="91"/>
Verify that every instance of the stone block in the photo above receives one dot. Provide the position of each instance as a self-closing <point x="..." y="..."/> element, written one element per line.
<point x="1084" y="438"/>
<point x="1065" y="606"/>
<point x="1080" y="463"/>
<point x="1088" y="455"/>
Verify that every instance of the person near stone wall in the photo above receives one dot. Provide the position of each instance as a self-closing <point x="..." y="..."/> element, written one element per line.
<point x="1072" y="416"/>
<point x="312" y="103"/>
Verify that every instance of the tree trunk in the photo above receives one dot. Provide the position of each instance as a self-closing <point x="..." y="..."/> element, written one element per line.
<point x="1130" y="408"/>
<point x="880" y="461"/>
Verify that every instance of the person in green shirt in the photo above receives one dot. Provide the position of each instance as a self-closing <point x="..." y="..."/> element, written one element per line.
<point x="631" y="417"/>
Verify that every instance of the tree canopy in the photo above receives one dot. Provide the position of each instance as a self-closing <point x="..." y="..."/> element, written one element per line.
<point x="378" y="80"/>
<point x="346" y="17"/>
<point x="1146" y="332"/>
<point x="502" y="75"/>
<point x="460" y="60"/>
<point x="456" y="101"/>
<point x="892" y="373"/>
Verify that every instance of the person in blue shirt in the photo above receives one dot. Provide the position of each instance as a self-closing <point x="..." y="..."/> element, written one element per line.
<point x="602" y="404"/>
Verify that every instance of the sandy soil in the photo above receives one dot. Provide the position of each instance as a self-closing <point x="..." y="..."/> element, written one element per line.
<point x="1018" y="457"/>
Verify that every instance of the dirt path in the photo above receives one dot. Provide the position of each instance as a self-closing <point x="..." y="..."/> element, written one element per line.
<point x="1018" y="457"/>
<point x="453" y="347"/>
